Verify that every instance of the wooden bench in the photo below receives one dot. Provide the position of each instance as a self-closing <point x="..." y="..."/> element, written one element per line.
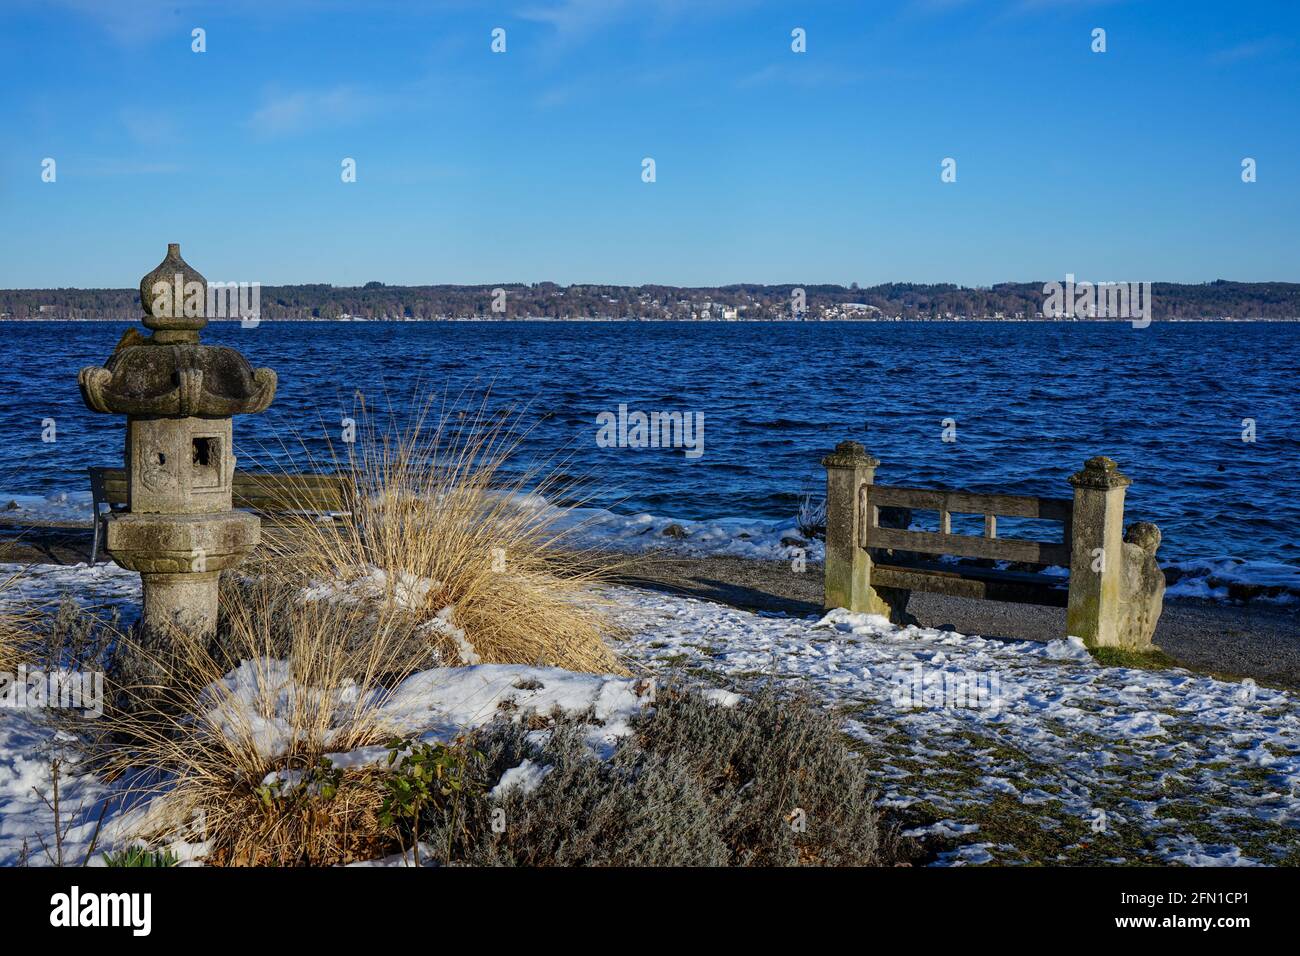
<point x="1114" y="588"/>
<point x="267" y="494"/>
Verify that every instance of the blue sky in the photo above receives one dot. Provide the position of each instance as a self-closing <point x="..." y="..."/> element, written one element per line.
<point x="772" y="166"/>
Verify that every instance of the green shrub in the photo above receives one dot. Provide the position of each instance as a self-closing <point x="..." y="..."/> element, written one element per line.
<point x="768" y="782"/>
<point x="139" y="856"/>
<point x="784" y="787"/>
<point x="633" y="810"/>
<point x="431" y="778"/>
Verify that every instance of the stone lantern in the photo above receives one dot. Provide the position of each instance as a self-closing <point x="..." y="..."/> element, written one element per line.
<point x="179" y="530"/>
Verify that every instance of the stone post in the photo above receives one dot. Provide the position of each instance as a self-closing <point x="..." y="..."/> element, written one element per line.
<point x="1096" y="600"/>
<point x="848" y="566"/>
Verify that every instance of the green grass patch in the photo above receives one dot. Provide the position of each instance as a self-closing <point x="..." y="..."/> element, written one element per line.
<point x="1151" y="660"/>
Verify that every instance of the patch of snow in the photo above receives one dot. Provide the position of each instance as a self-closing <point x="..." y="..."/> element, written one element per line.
<point x="721" y="697"/>
<point x="943" y="828"/>
<point x="61" y="506"/>
<point x="526" y="778"/>
<point x="1070" y="649"/>
<point x="101" y="585"/>
<point x="406" y="591"/>
<point x="442" y="624"/>
<point x="730" y="537"/>
<point x="255" y="703"/>
<point x="428" y="853"/>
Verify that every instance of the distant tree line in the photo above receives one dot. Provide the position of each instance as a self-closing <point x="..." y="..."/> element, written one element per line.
<point x="547" y="300"/>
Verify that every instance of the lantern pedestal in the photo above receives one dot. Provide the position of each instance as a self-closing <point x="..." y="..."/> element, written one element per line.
<point x="180" y="558"/>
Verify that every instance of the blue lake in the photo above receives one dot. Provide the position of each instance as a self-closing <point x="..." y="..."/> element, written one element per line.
<point x="1030" y="402"/>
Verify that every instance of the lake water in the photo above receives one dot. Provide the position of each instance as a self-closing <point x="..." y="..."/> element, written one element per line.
<point x="1030" y="403"/>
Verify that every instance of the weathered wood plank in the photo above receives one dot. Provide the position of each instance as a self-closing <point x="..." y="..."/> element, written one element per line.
<point x="967" y="502"/>
<point x="968" y="546"/>
<point x="991" y="586"/>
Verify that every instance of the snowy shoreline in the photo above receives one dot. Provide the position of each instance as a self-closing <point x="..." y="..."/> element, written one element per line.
<point x="1217" y="578"/>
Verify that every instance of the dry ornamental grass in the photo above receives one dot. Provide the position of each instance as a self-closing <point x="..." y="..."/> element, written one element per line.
<point x="442" y="561"/>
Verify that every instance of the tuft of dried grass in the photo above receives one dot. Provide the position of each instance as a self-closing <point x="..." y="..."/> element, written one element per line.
<point x="18" y="622"/>
<point x="451" y="531"/>
<point x="229" y="748"/>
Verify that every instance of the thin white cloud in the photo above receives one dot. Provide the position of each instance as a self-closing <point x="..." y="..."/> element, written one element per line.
<point x="573" y="20"/>
<point x="132" y="22"/>
<point x="137" y="22"/>
<point x="1250" y="50"/>
<point x="297" y="110"/>
<point x="574" y="17"/>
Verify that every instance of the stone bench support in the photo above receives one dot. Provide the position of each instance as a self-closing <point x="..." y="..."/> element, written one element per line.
<point x="850" y="473"/>
<point x="1116" y="587"/>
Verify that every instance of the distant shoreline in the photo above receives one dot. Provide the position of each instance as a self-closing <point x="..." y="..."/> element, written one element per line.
<point x="1217" y="301"/>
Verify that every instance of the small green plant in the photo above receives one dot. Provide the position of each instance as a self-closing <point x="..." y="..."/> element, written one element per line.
<point x="319" y="783"/>
<point x="430" y="778"/>
<point x="141" y="856"/>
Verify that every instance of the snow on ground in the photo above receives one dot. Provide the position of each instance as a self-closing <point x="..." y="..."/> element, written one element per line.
<point x="103" y="585"/>
<point x="995" y="751"/>
<point x="1166" y="765"/>
<point x="732" y="537"/>
<point x="62" y="506"/>
<point x="28" y="748"/>
<point x="254" y="701"/>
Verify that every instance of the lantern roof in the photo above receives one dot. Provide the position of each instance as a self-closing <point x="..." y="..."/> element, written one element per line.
<point x="170" y="372"/>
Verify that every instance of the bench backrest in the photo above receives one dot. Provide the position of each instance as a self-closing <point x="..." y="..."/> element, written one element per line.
<point x="263" y="492"/>
<point x="873" y="497"/>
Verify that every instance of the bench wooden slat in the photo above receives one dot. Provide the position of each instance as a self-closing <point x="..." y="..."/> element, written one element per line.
<point x="967" y="502"/>
<point x="991" y="585"/>
<point x="967" y="546"/>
